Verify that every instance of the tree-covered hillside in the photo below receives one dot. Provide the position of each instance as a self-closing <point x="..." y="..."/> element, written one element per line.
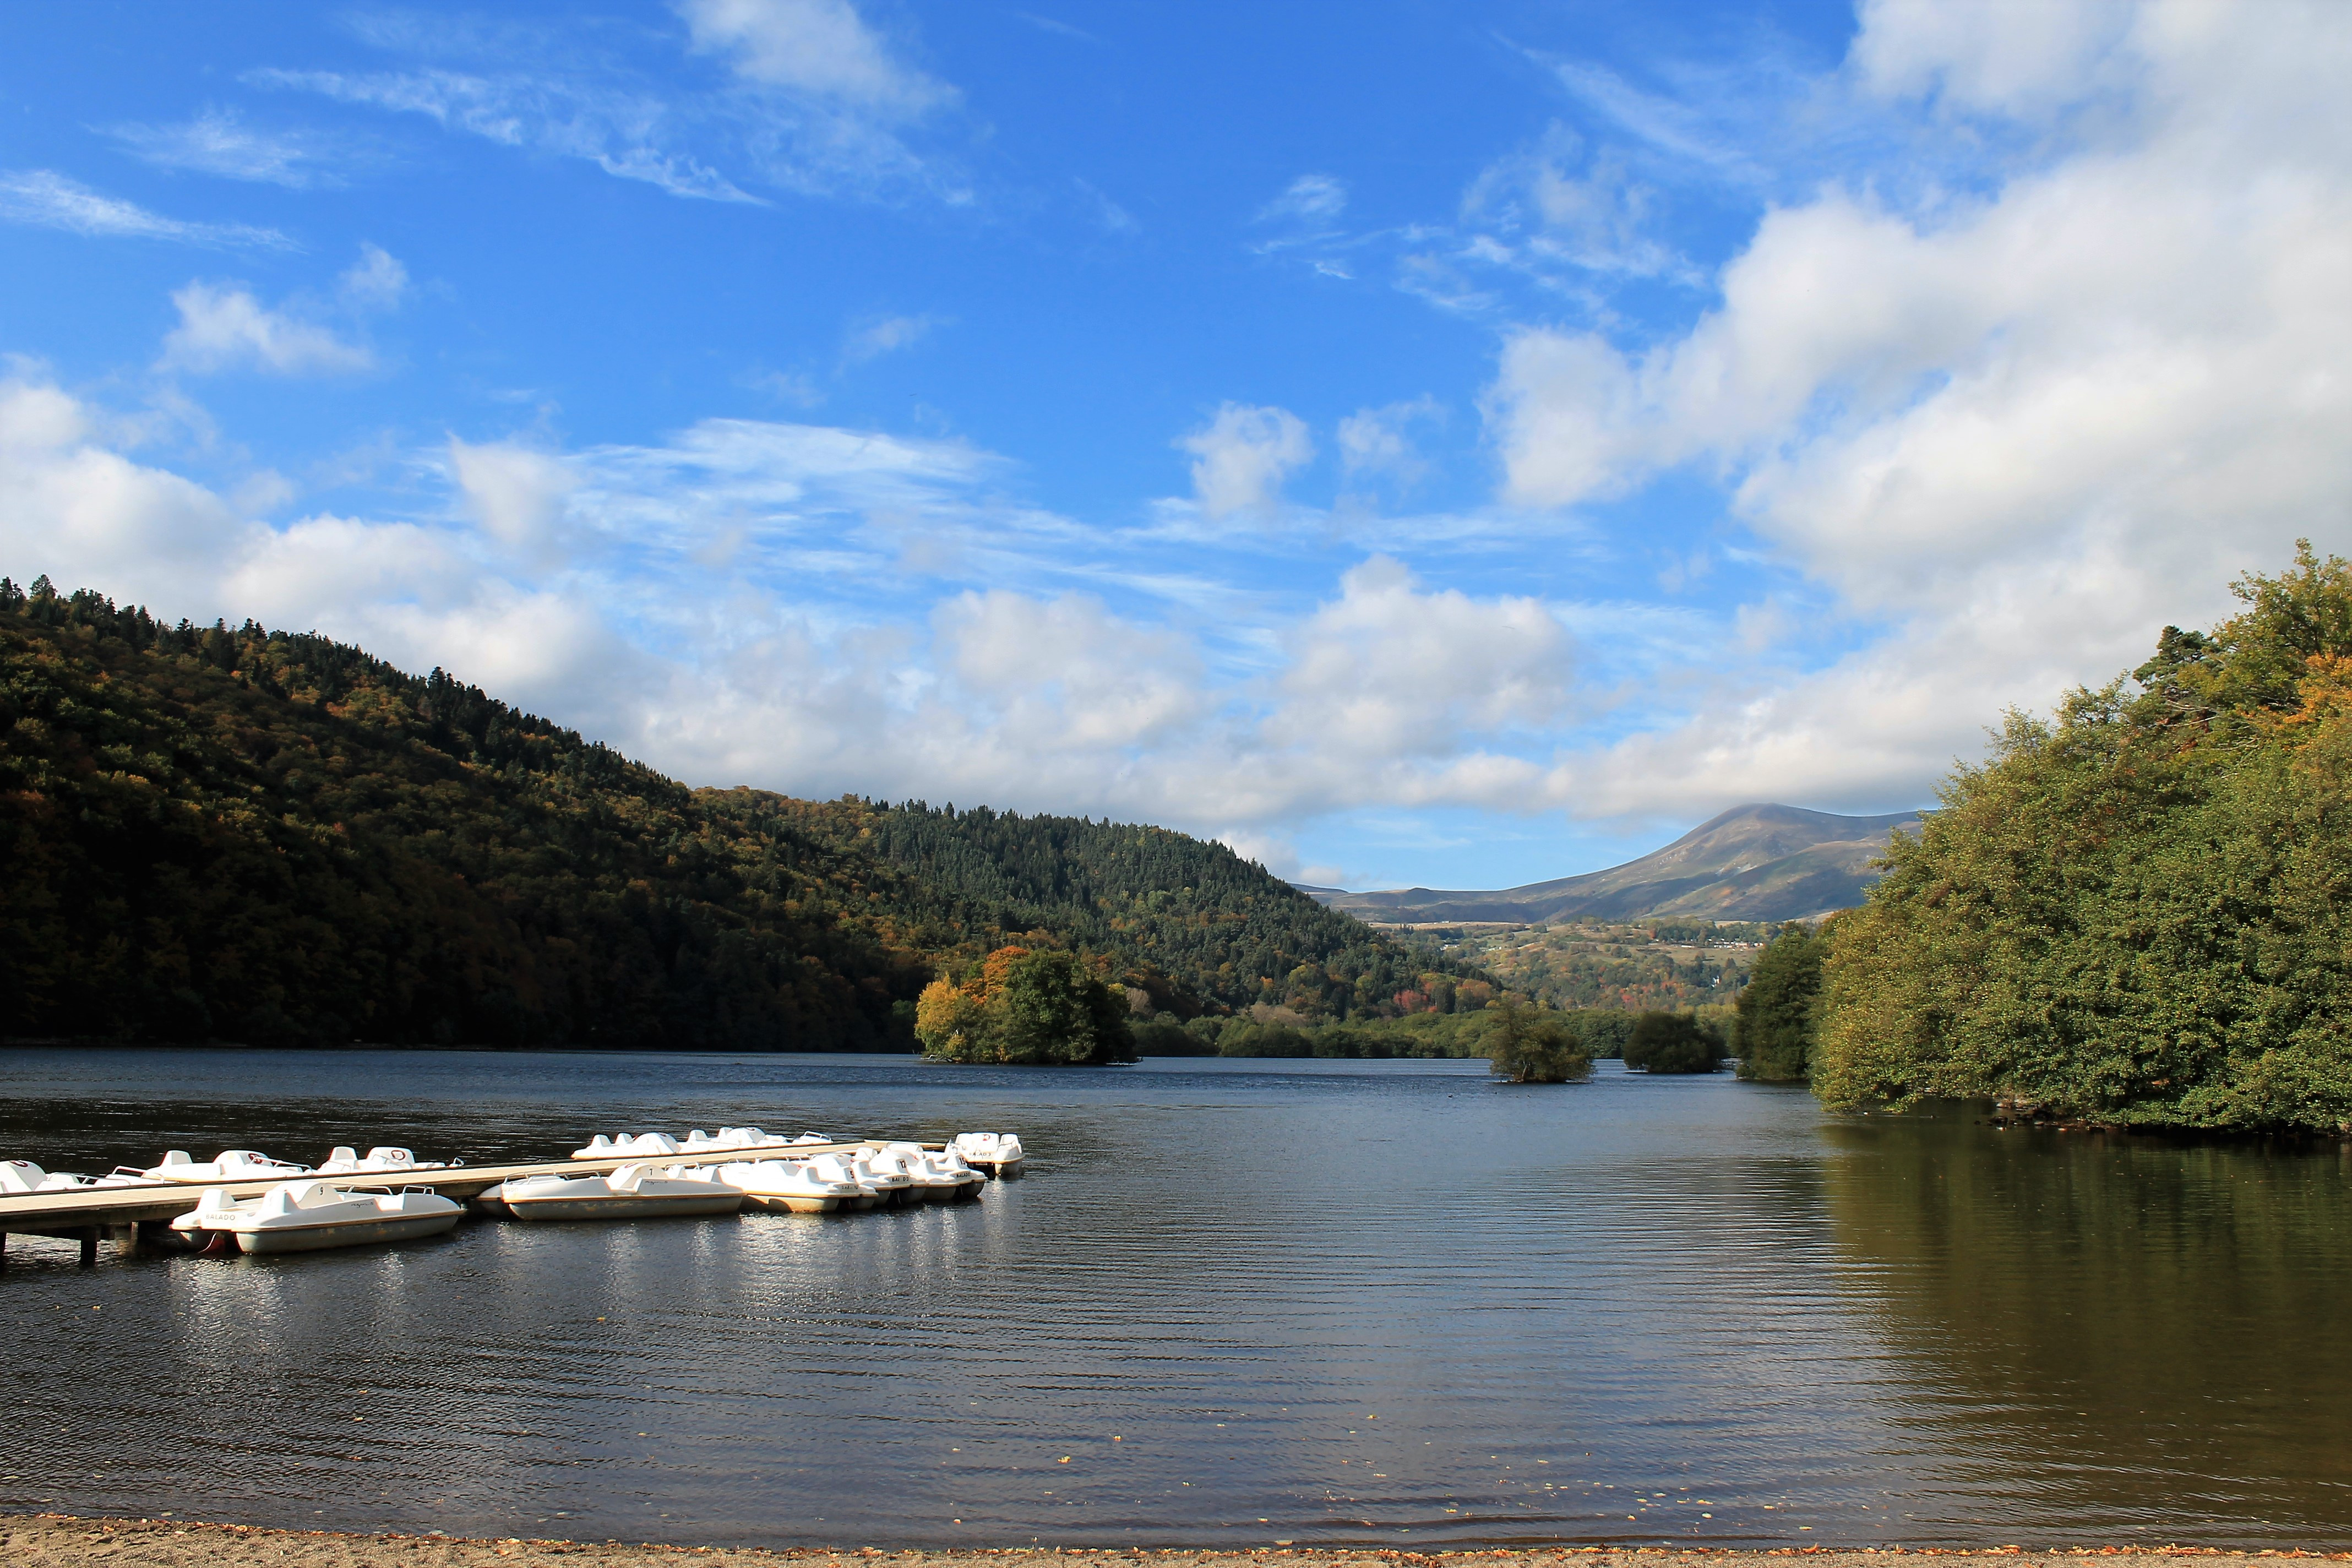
<point x="239" y="833"/>
<point x="2141" y="913"/>
<point x="1161" y="901"/>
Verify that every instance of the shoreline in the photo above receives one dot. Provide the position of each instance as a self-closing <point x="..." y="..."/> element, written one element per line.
<point x="70" y="1541"/>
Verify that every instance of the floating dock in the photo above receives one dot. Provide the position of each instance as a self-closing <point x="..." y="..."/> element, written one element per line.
<point x="139" y="1217"/>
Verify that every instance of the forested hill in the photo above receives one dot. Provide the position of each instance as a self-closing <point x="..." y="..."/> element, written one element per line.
<point x="1192" y="909"/>
<point x="238" y="834"/>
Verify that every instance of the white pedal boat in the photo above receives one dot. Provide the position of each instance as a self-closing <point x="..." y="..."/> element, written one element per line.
<point x="312" y="1216"/>
<point x="228" y="1165"/>
<point x="998" y="1154"/>
<point x="24" y="1176"/>
<point x="626" y="1145"/>
<point x="784" y="1187"/>
<point x="839" y="1170"/>
<point x="928" y="1180"/>
<point x="894" y="1187"/>
<point x="700" y="1143"/>
<point x="633" y="1192"/>
<point x="384" y="1158"/>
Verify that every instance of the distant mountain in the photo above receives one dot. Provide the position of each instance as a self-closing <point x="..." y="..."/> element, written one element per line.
<point x="1752" y="863"/>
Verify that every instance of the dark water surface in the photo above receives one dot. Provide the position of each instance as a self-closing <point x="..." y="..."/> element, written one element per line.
<point x="1234" y="1302"/>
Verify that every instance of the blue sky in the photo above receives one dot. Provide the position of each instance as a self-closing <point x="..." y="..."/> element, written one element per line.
<point x="1447" y="444"/>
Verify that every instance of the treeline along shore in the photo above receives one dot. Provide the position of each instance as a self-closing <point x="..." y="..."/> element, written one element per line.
<point x="2135" y="912"/>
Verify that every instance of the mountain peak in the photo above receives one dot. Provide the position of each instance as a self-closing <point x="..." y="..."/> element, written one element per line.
<point x="1763" y="861"/>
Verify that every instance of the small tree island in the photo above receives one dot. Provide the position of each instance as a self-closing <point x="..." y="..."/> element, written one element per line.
<point x="1025" y="1008"/>
<point x="1527" y="1043"/>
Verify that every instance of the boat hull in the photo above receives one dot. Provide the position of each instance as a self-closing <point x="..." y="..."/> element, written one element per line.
<point x="623" y="1206"/>
<point x="781" y="1203"/>
<point x="344" y="1233"/>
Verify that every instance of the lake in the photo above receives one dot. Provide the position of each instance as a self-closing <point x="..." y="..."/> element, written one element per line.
<point x="1234" y="1302"/>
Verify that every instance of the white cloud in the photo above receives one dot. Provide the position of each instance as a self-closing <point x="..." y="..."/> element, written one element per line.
<point x="818" y="47"/>
<point x="2019" y="432"/>
<point x="1390" y="672"/>
<point x="1064" y="674"/>
<point x="218" y="142"/>
<point x="517" y="494"/>
<point x="1379" y="441"/>
<point x="47" y="199"/>
<point x="2021" y="58"/>
<point x="376" y="281"/>
<point x="1243" y="455"/>
<point x="224" y="328"/>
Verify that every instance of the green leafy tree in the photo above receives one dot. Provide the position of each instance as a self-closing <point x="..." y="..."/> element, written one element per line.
<point x="1673" y="1043"/>
<point x="1604" y="1030"/>
<point x="1528" y="1044"/>
<point x="1241" y="1038"/>
<point x="2138" y="912"/>
<point x="1051" y="1010"/>
<point x="1776" y="1026"/>
<point x="1161" y="1036"/>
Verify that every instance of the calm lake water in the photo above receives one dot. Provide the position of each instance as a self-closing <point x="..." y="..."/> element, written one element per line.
<point x="1233" y="1302"/>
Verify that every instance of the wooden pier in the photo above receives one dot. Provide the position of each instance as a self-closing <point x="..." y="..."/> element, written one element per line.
<point x="140" y="1216"/>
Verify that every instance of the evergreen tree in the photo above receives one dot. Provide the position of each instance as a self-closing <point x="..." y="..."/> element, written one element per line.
<point x="1775" y="1023"/>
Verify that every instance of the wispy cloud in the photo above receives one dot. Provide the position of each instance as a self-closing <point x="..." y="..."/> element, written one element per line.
<point x="219" y="142"/>
<point x="48" y="199"/>
<point x="1314" y="200"/>
<point x="814" y="99"/>
<point x="1053" y="26"/>
<point x="872" y="339"/>
<point x="1114" y="217"/>
<point x="626" y="135"/>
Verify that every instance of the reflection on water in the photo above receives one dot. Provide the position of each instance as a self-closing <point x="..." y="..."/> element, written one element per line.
<point x="1234" y="1302"/>
<point x="2115" y="1330"/>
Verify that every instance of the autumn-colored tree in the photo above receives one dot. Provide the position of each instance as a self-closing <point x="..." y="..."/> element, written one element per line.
<point x="1026" y="1007"/>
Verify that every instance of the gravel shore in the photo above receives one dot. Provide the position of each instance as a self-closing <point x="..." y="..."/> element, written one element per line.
<point x="57" y="1541"/>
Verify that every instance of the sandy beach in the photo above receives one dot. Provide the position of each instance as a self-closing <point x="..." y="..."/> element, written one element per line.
<point x="58" y="1540"/>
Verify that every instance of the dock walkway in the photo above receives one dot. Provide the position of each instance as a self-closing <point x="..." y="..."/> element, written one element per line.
<point x="133" y="1215"/>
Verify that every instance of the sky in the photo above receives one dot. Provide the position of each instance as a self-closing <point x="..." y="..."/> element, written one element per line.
<point x="1452" y="443"/>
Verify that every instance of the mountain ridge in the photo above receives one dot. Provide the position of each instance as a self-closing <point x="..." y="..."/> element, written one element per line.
<point x="1762" y="861"/>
